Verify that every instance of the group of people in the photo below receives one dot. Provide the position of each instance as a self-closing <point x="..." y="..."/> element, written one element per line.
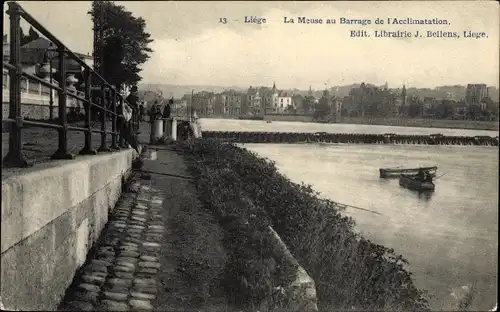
<point x="155" y="112"/>
<point x="125" y="113"/>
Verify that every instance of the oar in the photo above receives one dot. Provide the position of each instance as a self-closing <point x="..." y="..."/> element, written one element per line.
<point x="440" y="176"/>
<point x="364" y="209"/>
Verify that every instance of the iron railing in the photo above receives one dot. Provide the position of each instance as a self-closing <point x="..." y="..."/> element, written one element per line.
<point x="14" y="157"/>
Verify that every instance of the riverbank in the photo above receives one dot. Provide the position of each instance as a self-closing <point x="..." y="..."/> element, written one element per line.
<point x="396" y="122"/>
<point x="422" y="123"/>
<point x="349" y="271"/>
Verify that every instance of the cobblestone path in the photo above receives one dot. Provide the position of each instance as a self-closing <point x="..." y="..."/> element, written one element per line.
<point x="121" y="275"/>
<point x="160" y="250"/>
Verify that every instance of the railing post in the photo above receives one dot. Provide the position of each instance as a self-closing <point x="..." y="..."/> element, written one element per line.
<point x="114" y="135"/>
<point x="104" y="147"/>
<point x="121" y="141"/>
<point x="51" y="95"/>
<point x="14" y="157"/>
<point x="87" y="148"/>
<point x="135" y="122"/>
<point x="62" y="151"/>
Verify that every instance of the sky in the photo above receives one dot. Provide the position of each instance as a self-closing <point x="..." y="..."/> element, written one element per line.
<point x="191" y="46"/>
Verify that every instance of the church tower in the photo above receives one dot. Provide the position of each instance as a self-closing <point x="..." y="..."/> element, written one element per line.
<point x="274" y="98"/>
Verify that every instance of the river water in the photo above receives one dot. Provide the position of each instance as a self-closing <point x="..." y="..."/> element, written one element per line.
<point x="287" y="126"/>
<point x="450" y="238"/>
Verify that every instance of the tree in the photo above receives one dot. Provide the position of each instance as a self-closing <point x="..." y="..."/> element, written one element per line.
<point x="444" y="110"/>
<point x="307" y="104"/>
<point x="125" y="43"/>
<point x="322" y="109"/>
<point x="414" y="109"/>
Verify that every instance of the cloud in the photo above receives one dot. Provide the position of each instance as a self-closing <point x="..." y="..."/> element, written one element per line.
<point x="192" y="47"/>
<point x="299" y="55"/>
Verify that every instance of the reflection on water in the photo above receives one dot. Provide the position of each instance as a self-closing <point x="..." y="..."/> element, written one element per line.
<point x="209" y="124"/>
<point x="426" y="196"/>
<point x="449" y="236"/>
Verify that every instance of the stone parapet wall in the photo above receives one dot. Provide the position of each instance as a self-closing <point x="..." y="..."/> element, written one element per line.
<point x="51" y="215"/>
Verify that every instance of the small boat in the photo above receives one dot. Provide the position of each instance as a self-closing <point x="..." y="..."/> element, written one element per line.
<point x="395" y="172"/>
<point x="411" y="182"/>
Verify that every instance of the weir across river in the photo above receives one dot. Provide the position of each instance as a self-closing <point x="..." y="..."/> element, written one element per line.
<point x="323" y="137"/>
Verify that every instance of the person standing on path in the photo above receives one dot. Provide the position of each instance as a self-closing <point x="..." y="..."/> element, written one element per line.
<point x="167" y="109"/>
<point x="141" y="111"/>
<point x="194" y="130"/>
<point x="133" y="99"/>
<point x="154" y="112"/>
<point x="123" y="124"/>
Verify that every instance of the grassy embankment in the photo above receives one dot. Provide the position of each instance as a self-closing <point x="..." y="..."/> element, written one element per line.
<point x="254" y="275"/>
<point x="248" y="192"/>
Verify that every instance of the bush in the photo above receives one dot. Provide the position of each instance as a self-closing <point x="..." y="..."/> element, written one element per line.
<point x="350" y="271"/>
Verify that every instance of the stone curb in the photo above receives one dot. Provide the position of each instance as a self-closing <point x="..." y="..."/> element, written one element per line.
<point x="302" y="291"/>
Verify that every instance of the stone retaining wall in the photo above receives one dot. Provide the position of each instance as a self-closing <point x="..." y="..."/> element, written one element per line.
<point x="51" y="215"/>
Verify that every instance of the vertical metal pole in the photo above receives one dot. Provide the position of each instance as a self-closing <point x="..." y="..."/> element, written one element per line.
<point x="114" y="134"/>
<point x="191" y="105"/>
<point x="121" y="141"/>
<point x="87" y="149"/>
<point x="62" y="151"/>
<point x="51" y="101"/>
<point x="103" y="147"/>
<point x="14" y="157"/>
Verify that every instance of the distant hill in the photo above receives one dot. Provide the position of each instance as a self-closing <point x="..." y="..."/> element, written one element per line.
<point x="457" y="92"/>
<point x="177" y="91"/>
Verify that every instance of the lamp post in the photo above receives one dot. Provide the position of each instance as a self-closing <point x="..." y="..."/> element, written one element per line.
<point x="50" y="53"/>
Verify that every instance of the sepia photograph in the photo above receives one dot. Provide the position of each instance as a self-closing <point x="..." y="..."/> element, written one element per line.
<point x="250" y="156"/>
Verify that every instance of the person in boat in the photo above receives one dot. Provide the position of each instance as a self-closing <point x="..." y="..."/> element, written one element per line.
<point x="428" y="177"/>
<point x="421" y="176"/>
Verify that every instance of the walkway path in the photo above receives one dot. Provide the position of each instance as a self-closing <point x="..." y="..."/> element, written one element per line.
<point x="159" y="251"/>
